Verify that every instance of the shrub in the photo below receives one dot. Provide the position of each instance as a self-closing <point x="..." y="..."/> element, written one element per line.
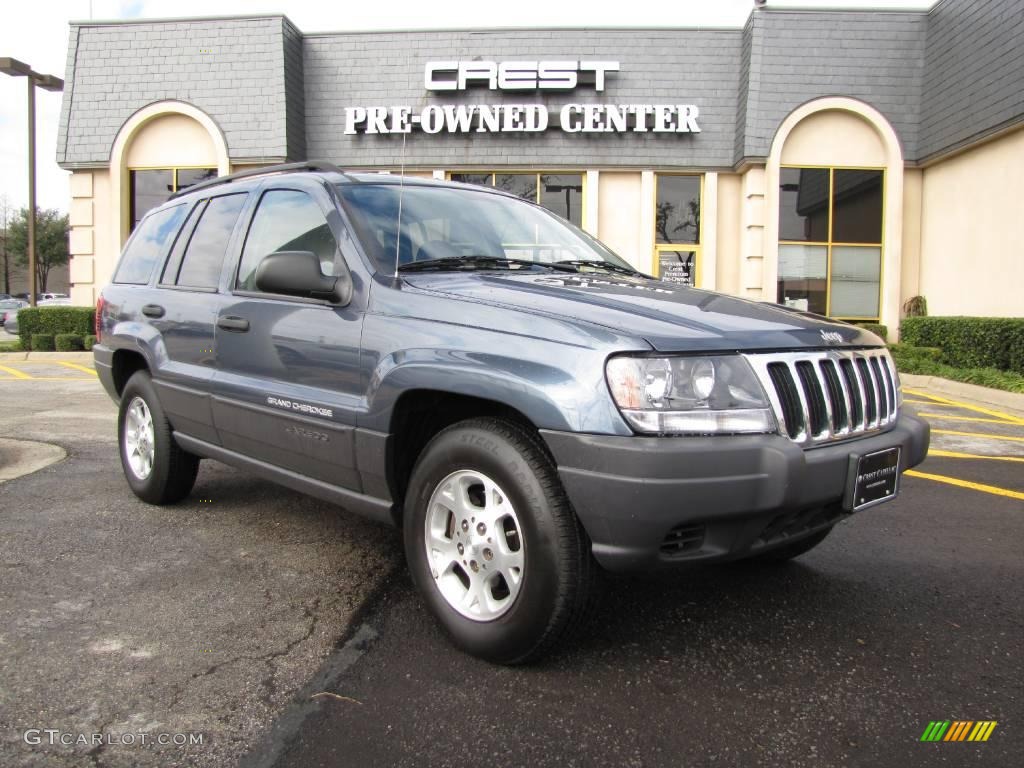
<point x="970" y="342"/>
<point x="42" y="342"/>
<point x="916" y="306"/>
<point x="54" y="320"/>
<point x="876" y="328"/>
<point x="983" y="377"/>
<point x="14" y="345"/>
<point x="69" y="342"/>
<point x="88" y="341"/>
<point x="909" y="352"/>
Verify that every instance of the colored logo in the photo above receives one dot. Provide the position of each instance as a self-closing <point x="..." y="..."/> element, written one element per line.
<point x="958" y="730"/>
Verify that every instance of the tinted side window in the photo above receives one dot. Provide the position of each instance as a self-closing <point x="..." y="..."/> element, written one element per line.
<point x="148" y="245"/>
<point x="204" y="256"/>
<point x="286" y="220"/>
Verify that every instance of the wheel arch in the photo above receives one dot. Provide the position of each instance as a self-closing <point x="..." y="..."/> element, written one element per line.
<point x="419" y="415"/>
<point x="124" y="364"/>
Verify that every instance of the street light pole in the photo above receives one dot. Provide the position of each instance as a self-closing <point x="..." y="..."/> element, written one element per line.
<point x="16" y="68"/>
<point x="31" y="191"/>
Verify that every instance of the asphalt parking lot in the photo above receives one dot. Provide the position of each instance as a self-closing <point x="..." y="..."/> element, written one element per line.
<point x="286" y="632"/>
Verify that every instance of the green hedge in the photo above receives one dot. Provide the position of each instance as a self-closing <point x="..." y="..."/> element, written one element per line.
<point x="909" y="352"/>
<point x="42" y="342"/>
<point x="53" y="320"/>
<point x="876" y="328"/>
<point x="88" y="342"/>
<point x="69" y="342"/>
<point x="970" y="342"/>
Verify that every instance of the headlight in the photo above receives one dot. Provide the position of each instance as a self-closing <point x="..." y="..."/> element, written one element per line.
<point x="689" y="395"/>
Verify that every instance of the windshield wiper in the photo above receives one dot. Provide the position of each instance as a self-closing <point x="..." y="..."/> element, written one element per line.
<point x="477" y="262"/>
<point x="606" y="265"/>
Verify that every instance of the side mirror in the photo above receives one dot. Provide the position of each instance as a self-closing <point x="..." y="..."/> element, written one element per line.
<point x="297" y="273"/>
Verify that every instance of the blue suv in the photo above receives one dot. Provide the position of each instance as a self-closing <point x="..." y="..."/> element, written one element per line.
<point x="465" y="365"/>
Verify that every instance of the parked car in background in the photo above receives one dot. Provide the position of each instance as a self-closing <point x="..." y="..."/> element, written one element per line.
<point x="7" y="304"/>
<point x="11" y="320"/>
<point x="11" y="315"/>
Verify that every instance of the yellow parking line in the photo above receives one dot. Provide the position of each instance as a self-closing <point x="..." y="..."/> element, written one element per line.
<point x="967" y="418"/>
<point x="77" y="367"/>
<point x="967" y="406"/>
<point x="14" y="372"/>
<point x="977" y="434"/>
<point x="959" y="455"/>
<point x="48" y="378"/>
<point x="995" y="490"/>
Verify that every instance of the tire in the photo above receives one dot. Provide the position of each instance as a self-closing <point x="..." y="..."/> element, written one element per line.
<point x="171" y="471"/>
<point x="787" y="552"/>
<point x="496" y="474"/>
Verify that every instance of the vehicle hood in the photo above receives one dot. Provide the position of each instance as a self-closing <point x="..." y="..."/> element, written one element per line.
<point x="669" y="317"/>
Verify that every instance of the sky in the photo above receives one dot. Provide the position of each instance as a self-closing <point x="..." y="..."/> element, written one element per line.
<point x="37" y="34"/>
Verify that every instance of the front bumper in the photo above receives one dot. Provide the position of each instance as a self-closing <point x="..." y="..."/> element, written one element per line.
<point x="652" y="501"/>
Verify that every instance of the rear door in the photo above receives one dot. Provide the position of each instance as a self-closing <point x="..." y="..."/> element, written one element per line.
<point x="288" y="383"/>
<point x="184" y="309"/>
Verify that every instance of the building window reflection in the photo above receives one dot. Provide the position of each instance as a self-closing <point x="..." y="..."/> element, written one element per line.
<point x="830" y="240"/>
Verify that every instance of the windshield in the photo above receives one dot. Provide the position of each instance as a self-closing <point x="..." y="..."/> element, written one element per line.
<point x="467" y="225"/>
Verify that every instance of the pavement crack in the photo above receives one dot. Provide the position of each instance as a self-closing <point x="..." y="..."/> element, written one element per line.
<point x="268" y="684"/>
<point x="95" y="754"/>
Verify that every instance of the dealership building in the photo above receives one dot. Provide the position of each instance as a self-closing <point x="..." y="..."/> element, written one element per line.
<point x="836" y="161"/>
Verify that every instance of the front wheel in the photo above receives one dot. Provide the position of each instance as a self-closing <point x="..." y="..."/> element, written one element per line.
<point x="156" y="468"/>
<point x="493" y="543"/>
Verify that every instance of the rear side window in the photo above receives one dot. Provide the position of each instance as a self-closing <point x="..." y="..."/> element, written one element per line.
<point x="148" y="245"/>
<point x="286" y="220"/>
<point x="203" y="257"/>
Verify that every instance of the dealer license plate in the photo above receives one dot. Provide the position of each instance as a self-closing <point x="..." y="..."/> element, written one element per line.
<point x="874" y="478"/>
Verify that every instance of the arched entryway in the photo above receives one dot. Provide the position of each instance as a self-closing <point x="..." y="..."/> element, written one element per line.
<point x="161" y="148"/>
<point x="834" y="212"/>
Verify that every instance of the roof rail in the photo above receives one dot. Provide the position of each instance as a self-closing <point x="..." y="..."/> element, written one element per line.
<point x="308" y="165"/>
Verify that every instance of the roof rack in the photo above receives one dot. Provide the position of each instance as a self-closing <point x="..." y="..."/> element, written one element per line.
<point x="309" y="165"/>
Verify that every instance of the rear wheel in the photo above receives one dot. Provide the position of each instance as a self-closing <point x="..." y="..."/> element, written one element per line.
<point x="493" y="543"/>
<point x="157" y="470"/>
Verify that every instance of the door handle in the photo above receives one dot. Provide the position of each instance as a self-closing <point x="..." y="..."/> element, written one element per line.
<point x="153" y="310"/>
<point x="236" y="324"/>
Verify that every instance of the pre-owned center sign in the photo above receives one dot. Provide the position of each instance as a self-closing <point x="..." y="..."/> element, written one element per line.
<point x="517" y="76"/>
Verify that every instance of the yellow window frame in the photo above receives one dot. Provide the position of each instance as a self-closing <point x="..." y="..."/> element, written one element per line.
<point x="830" y="243"/>
<point x="174" y="182"/>
<point x="697" y="248"/>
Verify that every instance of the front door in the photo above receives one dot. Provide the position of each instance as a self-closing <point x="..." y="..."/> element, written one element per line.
<point x="288" y="383"/>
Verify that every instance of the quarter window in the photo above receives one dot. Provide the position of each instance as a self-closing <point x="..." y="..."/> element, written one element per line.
<point x="151" y="187"/>
<point x="830" y="241"/>
<point x="560" y="193"/>
<point x="148" y="245"/>
<point x="286" y="220"/>
<point x="200" y="266"/>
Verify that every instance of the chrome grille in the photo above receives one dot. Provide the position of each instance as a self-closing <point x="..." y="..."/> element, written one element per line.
<point x="819" y="397"/>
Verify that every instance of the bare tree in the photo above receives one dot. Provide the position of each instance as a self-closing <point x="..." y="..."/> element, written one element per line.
<point x="5" y="252"/>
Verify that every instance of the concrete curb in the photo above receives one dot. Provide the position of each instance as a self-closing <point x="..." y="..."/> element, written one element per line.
<point x="997" y="398"/>
<point x="47" y="357"/>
